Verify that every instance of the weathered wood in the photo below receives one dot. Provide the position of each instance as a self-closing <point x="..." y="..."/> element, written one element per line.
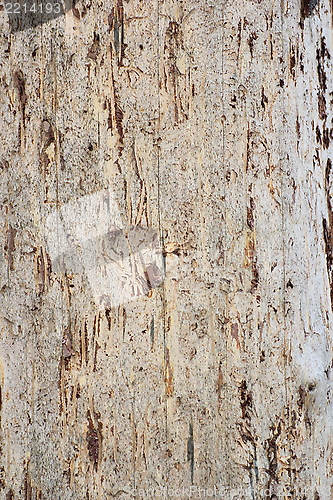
<point x="208" y="124"/>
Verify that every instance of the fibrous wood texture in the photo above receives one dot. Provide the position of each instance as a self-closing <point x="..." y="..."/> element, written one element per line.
<point x="208" y="124"/>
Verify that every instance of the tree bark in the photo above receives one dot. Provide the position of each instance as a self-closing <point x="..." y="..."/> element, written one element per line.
<point x="204" y="367"/>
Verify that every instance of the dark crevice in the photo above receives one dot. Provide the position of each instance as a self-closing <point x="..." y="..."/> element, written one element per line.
<point x="307" y="9"/>
<point x="327" y="228"/>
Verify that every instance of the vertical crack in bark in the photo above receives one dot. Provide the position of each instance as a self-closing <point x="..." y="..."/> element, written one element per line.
<point x="272" y="454"/>
<point x="247" y="433"/>
<point x="168" y="374"/>
<point x="322" y="55"/>
<point x="119" y="116"/>
<point x="94" y="439"/>
<point x="43" y="270"/>
<point x="10" y="246"/>
<point x="2" y="475"/>
<point x="19" y="82"/>
<point x="27" y="487"/>
<point x="190" y="450"/>
<point x="108" y="318"/>
<point x="116" y="23"/>
<point x="327" y="228"/>
<point x="307" y="9"/>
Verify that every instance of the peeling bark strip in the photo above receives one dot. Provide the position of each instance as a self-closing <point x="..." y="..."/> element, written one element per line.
<point x="251" y="259"/>
<point x="19" y="83"/>
<point x="250" y="216"/>
<point x="303" y="403"/>
<point x="272" y="454"/>
<point x="95" y="48"/>
<point x="116" y="23"/>
<point x="2" y="476"/>
<point x="43" y="269"/>
<point x="10" y="246"/>
<point x="119" y="116"/>
<point x="321" y="54"/>
<point x="292" y="62"/>
<point x="246" y="401"/>
<point x="47" y="133"/>
<point x="234" y="334"/>
<point x="116" y="115"/>
<point x="108" y="317"/>
<point x="329" y="254"/>
<point x="247" y="433"/>
<point x="153" y="276"/>
<point x="255" y="279"/>
<point x="67" y="350"/>
<point x="168" y="374"/>
<point x="322" y="106"/>
<point x="175" y="82"/>
<point x="307" y="8"/>
<point x="94" y="440"/>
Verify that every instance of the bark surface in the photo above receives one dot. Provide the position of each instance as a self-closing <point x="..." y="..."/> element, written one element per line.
<point x="204" y="127"/>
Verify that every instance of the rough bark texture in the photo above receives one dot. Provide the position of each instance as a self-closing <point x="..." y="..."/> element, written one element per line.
<point x="211" y="123"/>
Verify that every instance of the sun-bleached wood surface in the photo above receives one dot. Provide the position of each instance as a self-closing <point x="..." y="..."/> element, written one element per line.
<point x="199" y="132"/>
